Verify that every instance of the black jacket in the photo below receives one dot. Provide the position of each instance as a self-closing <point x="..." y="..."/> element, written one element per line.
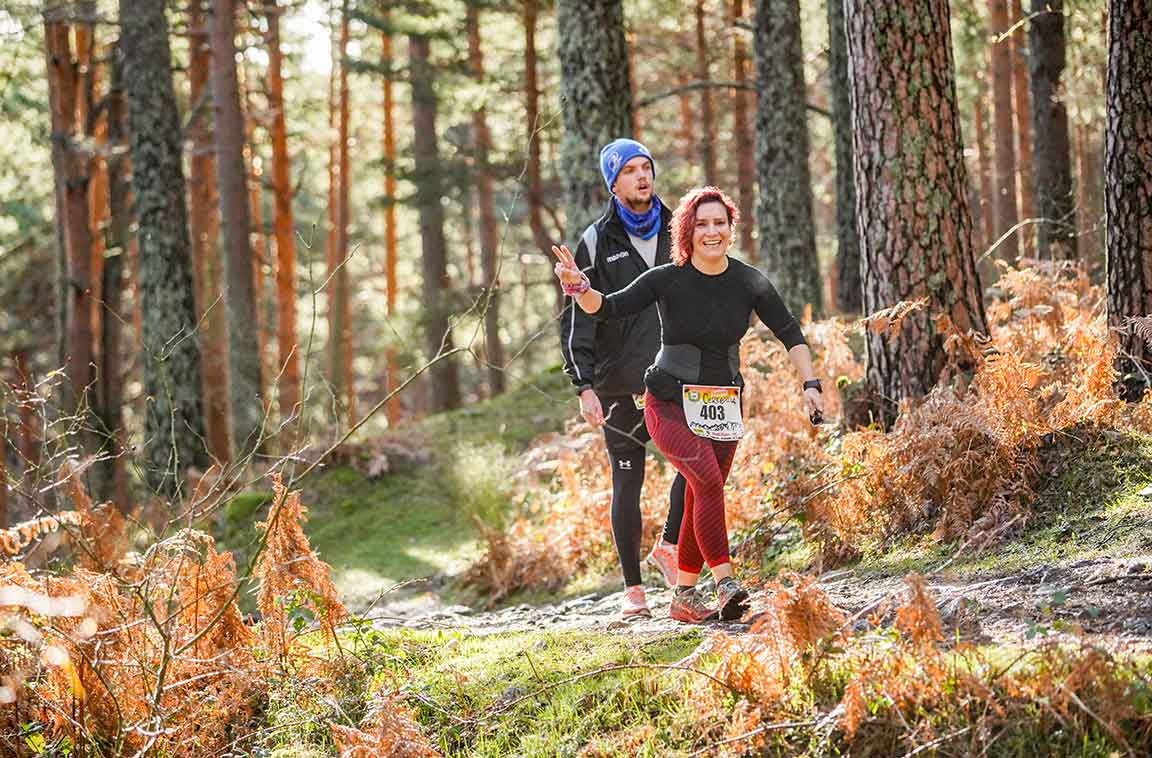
<point x="611" y="356"/>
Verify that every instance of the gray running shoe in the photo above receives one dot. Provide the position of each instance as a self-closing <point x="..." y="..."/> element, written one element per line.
<point x="731" y="598"/>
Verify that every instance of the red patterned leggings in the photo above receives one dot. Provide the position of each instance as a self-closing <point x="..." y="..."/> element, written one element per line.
<point x="705" y="464"/>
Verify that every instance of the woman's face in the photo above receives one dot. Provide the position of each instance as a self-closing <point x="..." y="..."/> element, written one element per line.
<point x="713" y="234"/>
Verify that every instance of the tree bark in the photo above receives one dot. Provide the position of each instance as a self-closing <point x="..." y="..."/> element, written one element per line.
<point x="787" y="231"/>
<point x="1055" y="196"/>
<point x="29" y="421"/>
<point x="284" y="224"/>
<point x="984" y="168"/>
<point x="204" y="223"/>
<point x="1022" y="111"/>
<point x="1128" y="186"/>
<point x="915" y="227"/>
<point x="849" y="295"/>
<point x="342" y="283"/>
<point x="111" y="390"/>
<point x="596" y="102"/>
<point x="706" y="131"/>
<point x="67" y="97"/>
<point x="1003" y="132"/>
<point x="232" y="178"/>
<point x="445" y="390"/>
<point x="489" y="232"/>
<point x="744" y="140"/>
<point x="173" y="425"/>
<point x="392" y="408"/>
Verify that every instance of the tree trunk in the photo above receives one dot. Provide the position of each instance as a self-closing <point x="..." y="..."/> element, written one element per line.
<point x="540" y="236"/>
<point x="1003" y="133"/>
<point x="984" y="168"/>
<point x="445" y="390"/>
<point x="342" y="359"/>
<point x="1023" y="114"/>
<point x="205" y="230"/>
<point x="595" y="101"/>
<point x="744" y="140"/>
<point x="253" y="165"/>
<point x="1128" y="186"/>
<point x="706" y="129"/>
<point x="787" y="232"/>
<point x="849" y="296"/>
<point x="1055" y="196"/>
<point x="111" y="389"/>
<point x="288" y="357"/>
<point x="173" y="426"/>
<point x="915" y="227"/>
<point x="29" y="421"/>
<point x="489" y="232"/>
<point x="232" y="177"/>
<point x="67" y="96"/>
<point x="392" y="409"/>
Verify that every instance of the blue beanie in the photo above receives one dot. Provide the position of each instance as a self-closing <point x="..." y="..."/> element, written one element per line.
<point x="616" y="153"/>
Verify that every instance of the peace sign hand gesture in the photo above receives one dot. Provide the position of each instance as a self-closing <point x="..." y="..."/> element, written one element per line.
<point x="566" y="269"/>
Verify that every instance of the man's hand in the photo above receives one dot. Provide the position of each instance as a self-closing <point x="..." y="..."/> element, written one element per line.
<point x="591" y="409"/>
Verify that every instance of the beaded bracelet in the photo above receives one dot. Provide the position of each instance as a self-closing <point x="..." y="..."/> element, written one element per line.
<point x="572" y="290"/>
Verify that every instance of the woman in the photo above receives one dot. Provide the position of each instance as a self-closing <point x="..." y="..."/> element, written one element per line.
<point x="692" y="404"/>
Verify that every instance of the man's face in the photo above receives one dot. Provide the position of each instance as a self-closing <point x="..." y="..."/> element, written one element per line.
<point x="634" y="184"/>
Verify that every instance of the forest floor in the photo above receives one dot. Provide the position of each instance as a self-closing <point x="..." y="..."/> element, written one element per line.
<point x="1080" y="571"/>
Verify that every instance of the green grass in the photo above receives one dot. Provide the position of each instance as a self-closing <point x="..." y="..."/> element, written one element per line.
<point x="417" y="523"/>
<point x="463" y="687"/>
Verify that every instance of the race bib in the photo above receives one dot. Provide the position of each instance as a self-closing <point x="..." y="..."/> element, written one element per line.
<point x="713" y="412"/>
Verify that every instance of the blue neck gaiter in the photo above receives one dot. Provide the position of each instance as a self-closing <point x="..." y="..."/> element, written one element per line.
<point x="642" y="225"/>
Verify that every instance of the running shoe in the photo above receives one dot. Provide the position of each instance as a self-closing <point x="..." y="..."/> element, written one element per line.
<point x="731" y="598"/>
<point x="663" y="559"/>
<point x="689" y="607"/>
<point x="634" y="605"/>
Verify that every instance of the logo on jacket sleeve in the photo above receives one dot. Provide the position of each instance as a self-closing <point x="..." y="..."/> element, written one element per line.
<point x="616" y="256"/>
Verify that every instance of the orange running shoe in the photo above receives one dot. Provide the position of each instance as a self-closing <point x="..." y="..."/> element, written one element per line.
<point x="663" y="559"/>
<point x="689" y="607"/>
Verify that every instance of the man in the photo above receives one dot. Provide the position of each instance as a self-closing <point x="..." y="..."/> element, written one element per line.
<point x="606" y="360"/>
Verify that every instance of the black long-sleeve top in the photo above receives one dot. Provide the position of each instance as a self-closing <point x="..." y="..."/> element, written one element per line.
<point x="708" y="311"/>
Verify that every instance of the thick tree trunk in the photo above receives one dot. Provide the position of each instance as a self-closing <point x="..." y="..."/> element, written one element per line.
<point x="239" y="298"/>
<point x="595" y="101"/>
<point x="915" y="227"/>
<point x="288" y="357"/>
<point x="706" y="127"/>
<point x="489" y="232"/>
<point x="67" y="96"/>
<point x="445" y="389"/>
<point x="392" y="409"/>
<point x="1022" y="111"/>
<point x="849" y="295"/>
<point x="787" y="232"/>
<point x="173" y="426"/>
<point x="1128" y="186"/>
<point x="1003" y="132"/>
<point x="1055" y="196"/>
<point x="744" y="140"/>
<point x="204" y="223"/>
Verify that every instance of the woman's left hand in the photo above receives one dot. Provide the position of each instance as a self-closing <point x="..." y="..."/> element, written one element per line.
<point x="813" y="402"/>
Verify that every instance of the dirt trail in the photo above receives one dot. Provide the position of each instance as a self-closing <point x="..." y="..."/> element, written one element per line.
<point x="1109" y="599"/>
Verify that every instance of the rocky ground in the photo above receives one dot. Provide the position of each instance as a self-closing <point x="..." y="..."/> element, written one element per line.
<point x="1108" y="600"/>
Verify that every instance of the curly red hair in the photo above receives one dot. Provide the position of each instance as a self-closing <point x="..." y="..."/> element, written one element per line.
<point x="684" y="219"/>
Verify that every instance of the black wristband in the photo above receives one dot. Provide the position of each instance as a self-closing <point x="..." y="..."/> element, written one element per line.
<point x="814" y="384"/>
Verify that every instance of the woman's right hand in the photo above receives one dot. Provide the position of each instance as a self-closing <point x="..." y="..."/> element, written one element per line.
<point x="566" y="269"/>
